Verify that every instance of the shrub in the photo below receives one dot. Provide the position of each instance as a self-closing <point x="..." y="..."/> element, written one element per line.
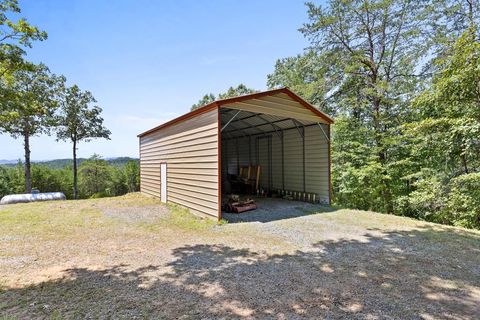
<point x="463" y="204"/>
<point x="427" y="201"/>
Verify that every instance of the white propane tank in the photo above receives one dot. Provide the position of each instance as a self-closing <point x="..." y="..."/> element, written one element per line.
<point x="32" y="197"/>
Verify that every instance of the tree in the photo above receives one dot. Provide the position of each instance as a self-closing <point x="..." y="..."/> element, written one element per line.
<point x="240" y="90"/>
<point x="306" y="76"/>
<point x="206" y="99"/>
<point x="95" y="177"/>
<point x="77" y="121"/>
<point x="132" y="174"/>
<point x="14" y="37"/>
<point x="447" y="133"/>
<point x="364" y="64"/>
<point x="445" y="137"/>
<point x="31" y="109"/>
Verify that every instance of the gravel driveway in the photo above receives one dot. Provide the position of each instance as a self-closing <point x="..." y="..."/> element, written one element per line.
<point x="134" y="258"/>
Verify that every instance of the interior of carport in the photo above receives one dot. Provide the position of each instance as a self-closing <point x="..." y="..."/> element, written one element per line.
<point x="291" y="156"/>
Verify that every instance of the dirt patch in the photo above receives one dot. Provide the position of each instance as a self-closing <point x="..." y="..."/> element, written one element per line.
<point x="138" y="214"/>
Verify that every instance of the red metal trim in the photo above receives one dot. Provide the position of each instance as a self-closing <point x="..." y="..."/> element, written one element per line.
<point x="219" y="103"/>
<point x="184" y="117"/>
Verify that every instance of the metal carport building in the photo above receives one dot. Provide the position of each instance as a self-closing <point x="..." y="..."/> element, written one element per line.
<point x="185" y="160"/>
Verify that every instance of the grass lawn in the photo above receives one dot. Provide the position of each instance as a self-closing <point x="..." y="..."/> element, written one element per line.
<point x="131" y="257"/>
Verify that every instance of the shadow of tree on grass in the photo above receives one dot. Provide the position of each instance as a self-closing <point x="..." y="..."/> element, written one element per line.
<point x="424" y="273"/>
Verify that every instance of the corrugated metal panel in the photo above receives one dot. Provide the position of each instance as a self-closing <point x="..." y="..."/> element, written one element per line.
<point x="248" y="123"/>
<point x="284" y="107"/>
<point x="232" y="159"/>
<point x="293" y="160"/>
<point x="190" y="149"/>
<point x="264" y="160"/>
<point x="224" y="159"/>
<point x="277" y="181"/>
<point x="244" y="151"/>
<point x="316" y="162"/>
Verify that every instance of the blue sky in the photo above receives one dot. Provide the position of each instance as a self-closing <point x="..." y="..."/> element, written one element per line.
<point x="147" y="62"/>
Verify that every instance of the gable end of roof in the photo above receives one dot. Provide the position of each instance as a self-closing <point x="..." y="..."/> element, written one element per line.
<point x="219" y="103"/>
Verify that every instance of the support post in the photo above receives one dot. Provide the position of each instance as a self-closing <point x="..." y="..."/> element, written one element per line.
<point x="231" y="119"/>
<point x="303" y="149"/>
<point x="283" y="161"/>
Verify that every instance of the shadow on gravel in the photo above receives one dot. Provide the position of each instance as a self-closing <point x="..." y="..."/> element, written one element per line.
<point x="273" y="209"/>
<point x="425" y="273"/>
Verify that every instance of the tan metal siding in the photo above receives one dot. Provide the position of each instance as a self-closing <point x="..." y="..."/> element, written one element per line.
<point x="276" y="162"/>
<point x="316" y="162"/>
<point x="293" y="160"/>
<point x="190" y="149"/>
<point x="263" y="155"/>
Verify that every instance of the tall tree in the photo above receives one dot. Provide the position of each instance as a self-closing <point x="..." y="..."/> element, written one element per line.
<point x="31" y="108"/>
<point x="95" y="177"/>
<point x="239" y="90"/>
<point x="15" y="35"/>
<point x="445" y="138"/>
<point x="368" y="64"/>
<point x="79" y="121"/>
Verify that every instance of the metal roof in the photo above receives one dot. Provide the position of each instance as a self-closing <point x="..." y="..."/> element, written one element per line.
<point x="279" y="106"/>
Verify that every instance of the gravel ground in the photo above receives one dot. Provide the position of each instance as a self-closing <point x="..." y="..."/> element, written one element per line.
<point x="272" y="209"/>
<point x="137" y="214"/>
<point x="131" y="258"/>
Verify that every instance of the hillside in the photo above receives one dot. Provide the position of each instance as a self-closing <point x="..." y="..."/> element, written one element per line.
<point x="62" y="163"/>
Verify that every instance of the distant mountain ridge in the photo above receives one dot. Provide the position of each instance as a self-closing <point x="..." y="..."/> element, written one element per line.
<point x="62" y="163"/>
<point x="8" y="161"/>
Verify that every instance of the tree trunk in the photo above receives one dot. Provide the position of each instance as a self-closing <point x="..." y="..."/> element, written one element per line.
<point x="75" y="181"/>
<point x="28" y="179"/>
<point x="464" y="162"/>
<point x="386" y="192"/>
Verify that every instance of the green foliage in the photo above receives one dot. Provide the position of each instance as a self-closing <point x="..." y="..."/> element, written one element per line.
<point x="5" y="182"/>
<point x="132" y="176"/>
<point x="15" y="35"/>
<point x="361" y="67"/>
<point x="50" y="180"/>
<point x="31" y="108"/>
<point x="119" y="162"/>
<point x="206" y="99"/>
<point x="401" y="79"/>
<point x="306" y="75"/>
<point x="240" y="90"/>
<point x="94" y="177"/>
<point x="463" y="204"/>
<point x="99" y="178"/>
<point x="118" y="182"/>
<point x="77" y="121"/>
